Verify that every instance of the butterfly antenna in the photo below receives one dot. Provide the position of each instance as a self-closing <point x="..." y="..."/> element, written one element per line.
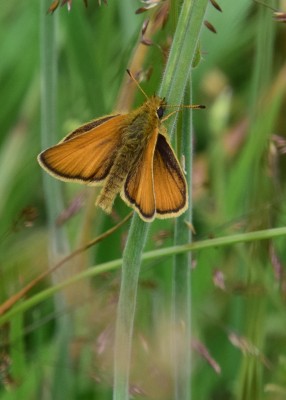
<point x="136" y="82"/>
<point x="181" y="107"/>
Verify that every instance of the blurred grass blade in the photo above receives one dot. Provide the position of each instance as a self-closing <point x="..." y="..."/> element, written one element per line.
<point x="53" y="194"/>
<point x="260" y="192"/>
<point x="229" y="240"/>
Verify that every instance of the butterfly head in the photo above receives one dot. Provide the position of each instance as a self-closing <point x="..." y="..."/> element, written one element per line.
<point x="158" y="106"/>
<point x="161" y="109"/>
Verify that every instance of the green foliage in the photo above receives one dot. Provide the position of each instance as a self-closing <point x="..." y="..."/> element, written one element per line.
<point x="62" y="345"/>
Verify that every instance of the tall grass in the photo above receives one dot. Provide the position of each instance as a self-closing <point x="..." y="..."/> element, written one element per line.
<point x="58" y="341"/>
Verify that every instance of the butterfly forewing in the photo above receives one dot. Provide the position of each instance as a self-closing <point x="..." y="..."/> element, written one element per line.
<point x="85" y="154"/>
<point x="169" y="181"/>
<point x="139" y="187"/>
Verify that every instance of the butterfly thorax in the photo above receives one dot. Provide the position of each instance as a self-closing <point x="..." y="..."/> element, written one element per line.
<point x="141" y="124"/>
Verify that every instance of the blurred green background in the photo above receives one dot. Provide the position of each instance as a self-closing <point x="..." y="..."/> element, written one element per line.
<point x="62" y="347"/>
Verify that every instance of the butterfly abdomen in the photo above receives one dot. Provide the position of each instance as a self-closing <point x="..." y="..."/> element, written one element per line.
<point x="118" y="173"/>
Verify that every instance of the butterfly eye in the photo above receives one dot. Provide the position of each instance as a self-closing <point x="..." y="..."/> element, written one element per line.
<point x="160" y="112"/>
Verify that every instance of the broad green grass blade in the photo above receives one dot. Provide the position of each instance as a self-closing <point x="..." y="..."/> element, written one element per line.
<point x="173" y="85"/>
<point x="181" y="298"/>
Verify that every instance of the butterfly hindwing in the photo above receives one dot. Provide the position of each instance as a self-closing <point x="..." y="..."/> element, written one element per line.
<point x="85" y="155"/>
<point x="138" y="189"/>
<point x="170" y="185"/>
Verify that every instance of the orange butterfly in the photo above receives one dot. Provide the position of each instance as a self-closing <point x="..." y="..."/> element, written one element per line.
<point x="128" y="154"/>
